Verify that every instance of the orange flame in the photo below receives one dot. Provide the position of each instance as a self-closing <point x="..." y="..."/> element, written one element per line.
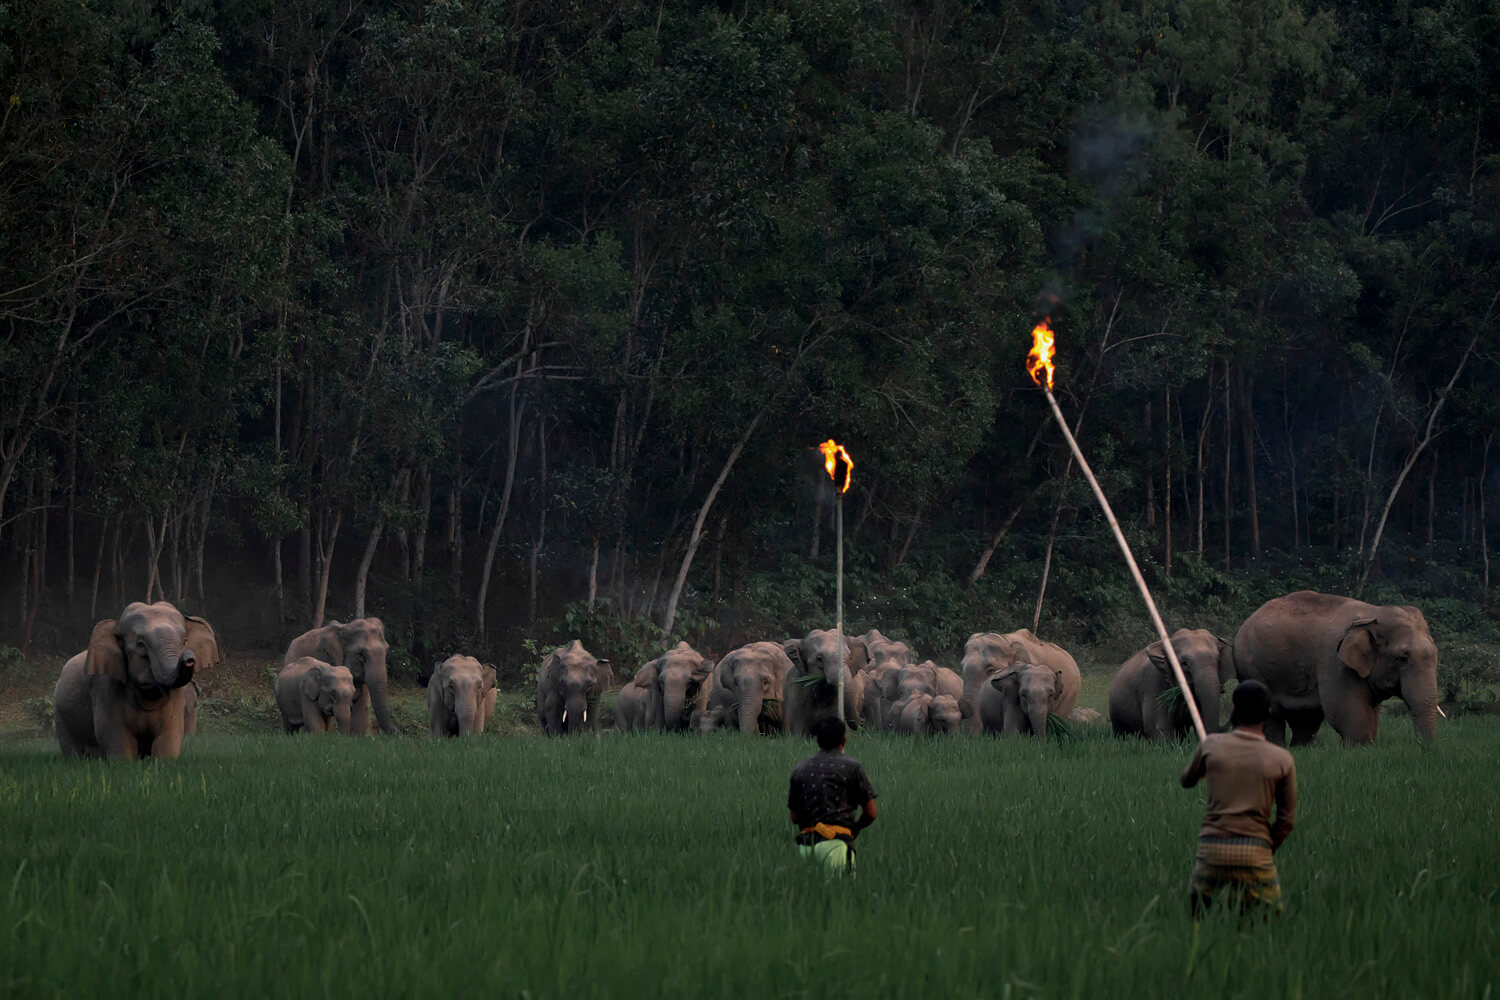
<point x="832" y="451"/>
<point x="1042" y="350"/>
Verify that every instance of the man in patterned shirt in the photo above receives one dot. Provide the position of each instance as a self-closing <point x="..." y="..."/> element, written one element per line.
<point x="831" y="800"/>
<point x="1247" y="778"/>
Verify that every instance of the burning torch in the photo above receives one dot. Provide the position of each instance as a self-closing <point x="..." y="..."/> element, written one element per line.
<point x="832" y="452"/>
<point x="1037" y="362"/>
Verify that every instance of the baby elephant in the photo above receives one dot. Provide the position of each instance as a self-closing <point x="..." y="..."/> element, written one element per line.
<point x="1018" y="699"/>
<point x="460" y="696"/>
<point x="313" y="695"/>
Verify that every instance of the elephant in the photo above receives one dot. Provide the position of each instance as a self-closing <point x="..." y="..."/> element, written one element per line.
<point x="1018" y="698"/>
<point x="359" y="645"/>
<point x="1143" y="695"/>
<point x="669" y="686"/>
<point x="568" y="685"/>
<point x="1335" y="658"/>
<point x="817" y="655"/>
<point x="886" y="655"/>
<point x="460" y="696"/>
<point x="313" y="695"/>
<point x="987" y="654"/>
<point x="746" y="689"/>
<point x="630" y="703"/>
<point x="127" y="695"/>
<point x="903" y="684"/>
<point x="925" y="714"/>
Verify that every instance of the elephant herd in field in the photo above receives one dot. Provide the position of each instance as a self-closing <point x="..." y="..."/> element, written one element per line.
<point x="131" y="693"/>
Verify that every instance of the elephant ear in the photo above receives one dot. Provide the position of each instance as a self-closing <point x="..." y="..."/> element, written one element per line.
<point x="1005" y="674"/>
<point x="311" y="681"/>
<point x="105" y="654"/>
<point x="965" y="709"/>
<point x="859" y="654"/>
<point x="488" y="674"/>
<point x="1157" y="654"/>
<point x="793" y="650"/>
<point x="604" y="675"/>
<point x="202" y="641"/>
<point x="1357" y="647"/>
<point x="647" y="674"/>
<point x="890" y="684"/>
<point x="704" y="669"/>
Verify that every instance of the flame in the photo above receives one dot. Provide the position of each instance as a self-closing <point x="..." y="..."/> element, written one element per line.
<point x="1042" y="350"/>
<point x="832" y="451"/>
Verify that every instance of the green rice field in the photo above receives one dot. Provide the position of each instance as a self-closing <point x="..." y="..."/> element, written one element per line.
<point x="662" y="865"/>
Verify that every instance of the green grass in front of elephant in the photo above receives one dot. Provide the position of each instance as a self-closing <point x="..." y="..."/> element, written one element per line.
<point x="264" y="865"/>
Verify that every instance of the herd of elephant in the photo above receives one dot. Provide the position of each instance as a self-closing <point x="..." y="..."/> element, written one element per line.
<point x="131" y="692"/>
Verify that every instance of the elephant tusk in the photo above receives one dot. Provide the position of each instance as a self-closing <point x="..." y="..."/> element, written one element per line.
<point x="1441" y="712"/>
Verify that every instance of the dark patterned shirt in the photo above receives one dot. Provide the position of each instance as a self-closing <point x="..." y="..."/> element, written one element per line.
<point x="829" y="787"/>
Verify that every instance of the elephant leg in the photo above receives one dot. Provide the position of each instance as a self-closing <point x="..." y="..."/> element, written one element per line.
<point x="167" y="743"/>
<point x="359" y="712"/>
<point x="1305" y="723"/>
<point x="1275" y="728"/>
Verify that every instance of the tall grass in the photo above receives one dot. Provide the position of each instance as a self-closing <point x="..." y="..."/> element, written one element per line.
<point x="651" y="865"/>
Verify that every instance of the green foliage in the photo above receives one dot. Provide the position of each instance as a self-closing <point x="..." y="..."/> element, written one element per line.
<point x="40" y="713"/>
<point x="14" y="666"/>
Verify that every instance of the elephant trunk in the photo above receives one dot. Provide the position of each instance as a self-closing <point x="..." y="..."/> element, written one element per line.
<point x="576" y="706"/>
<point x="1036" y="717"/>
<point x="673" y="698"/>
<point x="1207" y="696"/>
<point x="171" y="665"/>
<point x="341" y="715"/>
<point x="1420" y="692"/>
<point x="466" y="707"/>
<point x="750" y="706"/>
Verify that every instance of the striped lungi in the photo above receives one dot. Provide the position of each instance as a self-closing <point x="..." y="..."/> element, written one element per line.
<point x="1242" y="866"/>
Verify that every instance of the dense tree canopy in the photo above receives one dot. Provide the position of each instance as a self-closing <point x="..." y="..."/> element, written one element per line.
<point x="470" y="313"/>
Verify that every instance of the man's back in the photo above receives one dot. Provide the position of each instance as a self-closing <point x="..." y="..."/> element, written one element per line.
<point x="829" y="787"/>
<point x="1246" y="777"/>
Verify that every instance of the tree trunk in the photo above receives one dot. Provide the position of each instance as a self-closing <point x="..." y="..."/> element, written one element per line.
<point x="512" y="449"/>
<point x="98" y="570"/>
<point x="1484" y="531"/>
<point x="541" y="519"/>
<point x="989" y="550"/>
<point x="325" y="562"/>
<point x="1411" y="460"/>
<point x="817" y="521"/>
<point x="1247" y="446"/>
<point x="669" y="617"/>
<point x="1208" y="409"/>
<point x="1228" y="443"/>
<point x="304" y="562"/>
<point x="911" y="532"/>
<point x="1041" y="593"/>
<point x="1432" y="495"/>
<point x="1149" y="432"/>
<point x="1166" y="484"/>
<point x="719" y="553"/>
<point x="594" y="574"/>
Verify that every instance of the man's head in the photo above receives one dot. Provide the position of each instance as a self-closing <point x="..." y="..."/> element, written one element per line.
<point x="1252" y="704"/>
<point x="829" y="733"/>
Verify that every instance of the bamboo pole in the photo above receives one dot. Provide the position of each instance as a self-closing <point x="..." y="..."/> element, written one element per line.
<point x="1135" y="571"/>
<point x="838" y="596"/>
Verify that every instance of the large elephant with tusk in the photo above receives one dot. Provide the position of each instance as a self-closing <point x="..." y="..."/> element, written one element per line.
<point x="1333" y="658"/>
<point x="127" y="694"/>
<point x="569" y="684"/>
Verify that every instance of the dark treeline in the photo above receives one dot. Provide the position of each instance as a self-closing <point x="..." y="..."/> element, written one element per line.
<point x="466" y="313"/>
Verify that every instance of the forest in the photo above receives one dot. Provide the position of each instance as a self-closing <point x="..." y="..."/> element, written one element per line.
<point x="504" y="318"/>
